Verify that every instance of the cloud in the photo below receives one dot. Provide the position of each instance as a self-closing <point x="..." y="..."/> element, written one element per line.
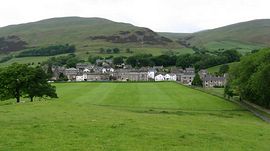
<point x="159" y="15"/>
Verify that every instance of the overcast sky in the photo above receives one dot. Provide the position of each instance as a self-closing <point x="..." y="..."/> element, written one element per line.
<point x="159" y="15"/>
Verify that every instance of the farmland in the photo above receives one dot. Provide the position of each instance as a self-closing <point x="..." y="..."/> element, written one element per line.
<point x="130" y="116"/>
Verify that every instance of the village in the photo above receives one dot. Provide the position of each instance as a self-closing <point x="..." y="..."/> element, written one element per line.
<point x="106" y="72"/>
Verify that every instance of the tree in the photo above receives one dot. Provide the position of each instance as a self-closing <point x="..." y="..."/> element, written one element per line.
<point x="184" y="61"/>
<point x="20" y="80"/>
<point x="132" y="60"/>
<point x="116" y="50"/>
<point x="49" y="71"/>
<point x="118" y="60"/>
<point x="228" y="91"/>
<point x="224" y="69"/>
<point x="48" y="51"/>
<point x="38" y="85"/>
<point x="231" y="55"/>
<point x="140" y="60"/>
<point x="109" y="50"/>
<point x="13" y="80"/>
<point x="72" y="62"/>
<point x="62" y="77"/>
<point x="197" y="81"/>
<point x="251" y="78"/>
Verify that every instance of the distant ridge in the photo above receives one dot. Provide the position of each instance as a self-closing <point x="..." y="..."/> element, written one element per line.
<point x="82" y="32"/>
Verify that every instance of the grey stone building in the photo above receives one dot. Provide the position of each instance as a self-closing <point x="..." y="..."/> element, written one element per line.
<point x="210" y="81"/>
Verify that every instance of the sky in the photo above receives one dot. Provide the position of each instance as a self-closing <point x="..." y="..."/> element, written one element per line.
<point x="159" y="15"/>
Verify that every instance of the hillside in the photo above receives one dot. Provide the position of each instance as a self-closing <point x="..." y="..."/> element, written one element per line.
<point x="174" y="36"/>
<point x="85" y="33"/>
<point x="242" y="36"/>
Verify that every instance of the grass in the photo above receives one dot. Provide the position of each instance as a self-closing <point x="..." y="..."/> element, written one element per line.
<point x="243" y="48"/>
<point x="215" y="69"/>
<point x="131" y="116"/>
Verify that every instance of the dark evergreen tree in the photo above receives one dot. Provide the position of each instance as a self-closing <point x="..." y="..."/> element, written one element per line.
<point x="197" y="81"/>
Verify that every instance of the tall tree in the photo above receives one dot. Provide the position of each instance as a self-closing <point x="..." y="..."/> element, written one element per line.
<point x="251" y="78"/>
<point x="20" y="80"/>
<point x="38" y="85"/>
<point x="13" y="80"/>
<point x="197" y="81"/>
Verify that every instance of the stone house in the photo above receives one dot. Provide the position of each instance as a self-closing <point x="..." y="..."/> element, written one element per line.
<point x="187" y="78"/>
<point x="212" y="81"/>
<point x="178" y="72"/>
<point x="57" y="71"/>
<point x="71" y="73"/>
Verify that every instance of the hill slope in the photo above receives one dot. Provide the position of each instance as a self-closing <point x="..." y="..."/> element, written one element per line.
<point x="245" y="35"/>
<point x="81" y="32"/>
<point x="174" y="36"/>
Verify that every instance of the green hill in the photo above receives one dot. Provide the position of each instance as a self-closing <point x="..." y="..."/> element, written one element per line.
<point x="85" y="33"/>
<point x="89" y="35"/>
<point x="243" y="36"/>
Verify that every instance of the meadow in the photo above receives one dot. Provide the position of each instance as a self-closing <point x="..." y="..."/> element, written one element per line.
<point x="131" y="116"/>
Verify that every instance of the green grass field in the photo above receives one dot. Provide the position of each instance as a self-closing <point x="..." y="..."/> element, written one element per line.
<point x="215" y="69"/>
<point x="130" y="116"/>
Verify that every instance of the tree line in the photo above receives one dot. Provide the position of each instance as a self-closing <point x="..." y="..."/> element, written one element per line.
<point x="196" y="60"/>
<point x="20" y="80"/>
<point x="48" y="51"/>
<point x="250" y="79"/>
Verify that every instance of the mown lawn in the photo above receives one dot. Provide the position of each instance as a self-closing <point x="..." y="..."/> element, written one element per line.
<point x="131" y="116"/>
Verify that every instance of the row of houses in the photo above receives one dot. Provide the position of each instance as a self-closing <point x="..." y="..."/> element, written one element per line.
<point x="88" y="72"/>
<point x="210" y="80"/>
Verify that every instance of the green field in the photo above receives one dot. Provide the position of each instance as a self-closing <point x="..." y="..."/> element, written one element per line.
<point x="215" y="69"/>
<point x="131" y="116"/>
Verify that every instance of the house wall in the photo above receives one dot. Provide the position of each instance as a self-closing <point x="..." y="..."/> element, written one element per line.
<point x="134" y="76"/>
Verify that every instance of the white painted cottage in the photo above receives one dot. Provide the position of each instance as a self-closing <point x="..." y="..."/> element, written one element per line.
<point x="151" y="73"/>
<point x="159" y="77"/>
<point x="170" y="77"/>
<point x="79" y="78"/>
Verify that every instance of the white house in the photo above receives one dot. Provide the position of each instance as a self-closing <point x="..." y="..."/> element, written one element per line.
<point x="86" y="70"/>
<point x="173" y="77"/>
<point x="79" y="78"/>
<point x="170" y="77"/>
<point x="111" y="70"/>
<point x="151" y="73"/>
<point x="104" y="70"/>
<point x="159" y="77"/>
